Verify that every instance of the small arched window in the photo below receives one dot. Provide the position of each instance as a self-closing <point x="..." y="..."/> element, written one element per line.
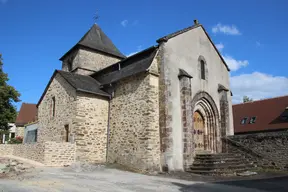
<point x="202" y="63"/>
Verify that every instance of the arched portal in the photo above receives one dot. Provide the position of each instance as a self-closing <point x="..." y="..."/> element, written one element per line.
<point x="205" y="127"/>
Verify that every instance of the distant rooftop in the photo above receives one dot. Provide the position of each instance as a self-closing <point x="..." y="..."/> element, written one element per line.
<point x="261" y="115"/>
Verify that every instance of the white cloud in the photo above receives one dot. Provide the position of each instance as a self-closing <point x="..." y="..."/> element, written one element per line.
<point x="234" y="64"/>
<point x="226" y="29"/>
<point x="258" y="44"/>
<point x="139" y="48"/>
<point x="124" y="23"/>
<point x="3" y="1"/>
<point x="257" y="86"/>
<point x="220" y="46"/>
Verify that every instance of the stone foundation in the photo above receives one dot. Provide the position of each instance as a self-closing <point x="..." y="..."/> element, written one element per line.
<point x="48" y="153"/>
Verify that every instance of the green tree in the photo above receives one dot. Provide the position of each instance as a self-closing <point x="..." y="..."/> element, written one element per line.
<point x="8" y="95"/>
<point x="247" y="99"/>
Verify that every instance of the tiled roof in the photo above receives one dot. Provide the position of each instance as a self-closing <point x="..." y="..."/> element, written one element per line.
<point x="96" y="39"/>
<point x="271" y="114"/>
<point x="27" y="113"/>
<point x="83" y="83"/>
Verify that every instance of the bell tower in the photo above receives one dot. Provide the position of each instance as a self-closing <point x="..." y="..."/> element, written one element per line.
<point x="92" y="53"/>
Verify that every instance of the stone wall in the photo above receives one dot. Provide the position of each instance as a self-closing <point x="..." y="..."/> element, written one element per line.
<point x="91" y="127"/>
<point x="83" y="59"/>
<point x="6" y="149"/>
<point x="48" y="153"/>
<point x="33" y="151"/>
<point x="95" y="60"/>
<point x="271" y="147"/>
<point x="59" y="154"/>
<point x="134" y="123"/>
<point x="52" y="128"/>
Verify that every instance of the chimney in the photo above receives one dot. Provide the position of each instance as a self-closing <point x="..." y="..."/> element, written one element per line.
<point x="196" y="22"/>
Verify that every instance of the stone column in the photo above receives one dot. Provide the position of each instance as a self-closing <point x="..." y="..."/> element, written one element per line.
<point x="224" y="113"/>
<point x="187" y="115"/>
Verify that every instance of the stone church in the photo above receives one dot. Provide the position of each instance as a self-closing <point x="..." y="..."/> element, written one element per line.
<point x="153" y="110"/>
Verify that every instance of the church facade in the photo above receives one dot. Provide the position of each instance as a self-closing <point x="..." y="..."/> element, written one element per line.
<point x="151" y="111"/>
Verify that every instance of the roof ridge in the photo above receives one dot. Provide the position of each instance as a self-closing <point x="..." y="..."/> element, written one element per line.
<point x="178" y="32"/>
<point x="264" y="99"/>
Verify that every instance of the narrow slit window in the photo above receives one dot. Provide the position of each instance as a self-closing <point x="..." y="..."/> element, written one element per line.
<point x="66" y="133"/>
<point x="53" y="106"/>
<point x="202" y="63"/>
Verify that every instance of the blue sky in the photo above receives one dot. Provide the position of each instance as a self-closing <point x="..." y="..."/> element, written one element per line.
<point x="252" y="36"/>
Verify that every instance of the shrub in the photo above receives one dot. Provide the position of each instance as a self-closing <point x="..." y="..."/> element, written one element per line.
<point x="16" y="140"/>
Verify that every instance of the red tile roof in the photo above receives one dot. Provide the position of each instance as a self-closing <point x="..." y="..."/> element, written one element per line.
<point x="27" y="113"/>
<point x="269" y="113"/>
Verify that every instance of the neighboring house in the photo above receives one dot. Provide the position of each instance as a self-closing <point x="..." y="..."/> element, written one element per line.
<point x="27" y="114"/>
<point x="156" y="109"/>
<point x="30" y="132"/>
<point x="261" y="116"/>
<point x="11" y="134"/>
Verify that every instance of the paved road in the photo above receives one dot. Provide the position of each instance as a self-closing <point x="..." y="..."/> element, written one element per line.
<point x="279" y="184"/>
<point x="112" y="180"/>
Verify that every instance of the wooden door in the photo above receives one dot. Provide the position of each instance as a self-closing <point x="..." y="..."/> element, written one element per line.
<point x="198" y="126"/>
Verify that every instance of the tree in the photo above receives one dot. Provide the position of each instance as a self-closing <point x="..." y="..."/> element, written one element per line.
<point x="247" y="99"/>
<point x="8" y="95"/>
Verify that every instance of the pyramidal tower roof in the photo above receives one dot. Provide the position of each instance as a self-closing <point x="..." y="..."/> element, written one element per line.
<point x="96" y="39"/>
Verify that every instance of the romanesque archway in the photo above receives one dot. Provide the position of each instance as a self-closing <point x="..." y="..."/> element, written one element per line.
<point x="204" y="105"/>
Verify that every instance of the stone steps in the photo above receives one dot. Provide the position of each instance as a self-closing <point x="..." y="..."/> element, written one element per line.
<point x="217" y="172"/>
<point x="220" y="167"/>
<point x="219" y="164"/>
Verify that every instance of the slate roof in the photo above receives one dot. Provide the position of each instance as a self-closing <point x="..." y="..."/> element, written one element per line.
<point x="96" y="39"/>
<point x="132" y="65"/>
<point x="83" y="83"/>
<point x="27" y="113"/>
<point x="271" y="114"/>
<point x="80" y="83"/>
<point x="171" y="35"/>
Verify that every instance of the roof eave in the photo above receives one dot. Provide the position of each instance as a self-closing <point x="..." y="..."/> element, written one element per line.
<point x="94" y="93"/>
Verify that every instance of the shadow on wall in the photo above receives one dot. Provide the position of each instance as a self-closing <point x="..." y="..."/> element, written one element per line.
<point x="278" y="184"/>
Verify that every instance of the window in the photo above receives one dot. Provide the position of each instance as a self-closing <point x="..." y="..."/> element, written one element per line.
<point x="243" y="121"/>
<point x="252" y="120"/>
<point x="12" y="135"/>
<point x="53" y="106"/>
<point x="66" y="133"/>
<point x="284" y="118"/>
<point x="202" y="63"/>
<point x="31" y="136"/>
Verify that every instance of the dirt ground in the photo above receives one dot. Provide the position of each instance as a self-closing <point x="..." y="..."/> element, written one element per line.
<point x="85" y="177"/>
